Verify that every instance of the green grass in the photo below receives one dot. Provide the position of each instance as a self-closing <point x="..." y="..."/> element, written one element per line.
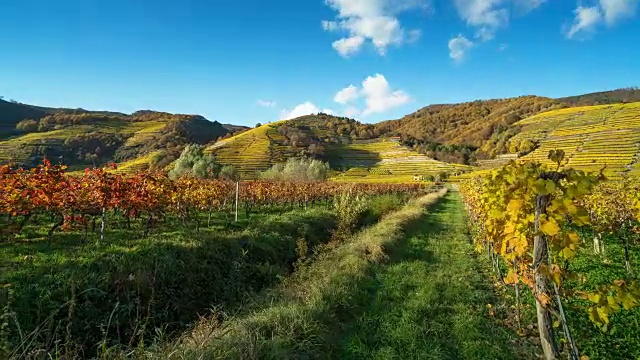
<point x="87" y="298"/>
<point x="81" y="294"/>
<point x="429" y="301"/>
<point x="406" y="288"/>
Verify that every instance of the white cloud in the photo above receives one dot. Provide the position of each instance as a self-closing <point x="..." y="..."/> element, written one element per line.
<point x="266" y="103"/>
<point x="375" y="96"/>
<point x="487" y="16"/>
<point x="617" y="10"/>
<point x="348" y="46"/>
<point x="458" y="47"/>
<point x="303" y="109"/>
<point x="379" y="96"/>
<point x="528" y="5"/>
<point x="370" y="20"/>
<point x="503" y="47"/>
<point x="587" y="18"/>
<point x="346" y="95"/>
<point x="609" y="12"/>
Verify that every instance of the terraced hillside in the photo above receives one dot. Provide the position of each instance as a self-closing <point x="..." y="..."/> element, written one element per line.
<point x="593" y="138"/>
<point x="249" y="152"/>
<point x="364" y="160"/>
<point x="385" y="161"/>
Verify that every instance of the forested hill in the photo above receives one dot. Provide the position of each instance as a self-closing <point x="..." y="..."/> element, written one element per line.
<point x="473" y="124"/>
<point x="627" y="95"/>
<point x="11" y="113"/>
<point x="92" y="138"/>
<point x="483" y="127"/>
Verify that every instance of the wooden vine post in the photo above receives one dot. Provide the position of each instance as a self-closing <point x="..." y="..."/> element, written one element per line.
<point x="237" y="198"/>
<point x="541" y="281"/>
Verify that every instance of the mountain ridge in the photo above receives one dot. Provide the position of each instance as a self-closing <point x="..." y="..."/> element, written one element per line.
<point x="451" y="133"/>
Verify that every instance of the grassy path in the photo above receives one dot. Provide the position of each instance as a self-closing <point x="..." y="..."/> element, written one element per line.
<point x="429" y="301"/>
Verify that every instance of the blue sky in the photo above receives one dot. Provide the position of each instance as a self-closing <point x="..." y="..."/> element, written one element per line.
<point x="248" y="61"/>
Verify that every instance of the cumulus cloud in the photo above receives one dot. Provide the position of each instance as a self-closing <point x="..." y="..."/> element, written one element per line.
<point x="609" y="12"/>
<point x="306" y="108"/>
<point x="370" y="20"/>
<point x="379" y="96"/>
<point x="346" y="95"/>
<point x="617" y="10"/>
<point x="375" y="93"/>
<point x="458" y="47"/>
<point x="587" y="18"/>
<point x="266" y="103"/>
<point x="348" y="46"/>
<point x="488" y="16"/>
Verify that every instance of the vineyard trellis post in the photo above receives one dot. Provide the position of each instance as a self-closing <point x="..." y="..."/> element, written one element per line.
<point x="237" y="198"/>
<point x="542" y="293"/>
<point x="103" y="223"/>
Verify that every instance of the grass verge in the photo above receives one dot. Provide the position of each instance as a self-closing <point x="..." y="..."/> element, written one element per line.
<point x="299" y="318"/>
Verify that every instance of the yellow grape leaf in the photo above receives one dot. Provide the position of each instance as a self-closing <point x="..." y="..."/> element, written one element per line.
<point x="514" y="206"/>
<point x="613" y="303"/>
<point x="595" y="298"/>
<point x="510" y="228"/>
<point x="511" y="278"/>
<point x="584" y="357"/>
<point x="628" y="301"/>
<point x="573" y="237"/>
<point x="568" y="253"/>
<point x="556" y="274"/>
<point x="550" y="227"/>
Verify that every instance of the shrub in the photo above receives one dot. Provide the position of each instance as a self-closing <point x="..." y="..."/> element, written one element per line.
<point x="349" y="207"/>
<point x="298" y="169"/>
<point x="27" y="126"/>
<point x="229" y="172"/>
<point x="194" y="162"/>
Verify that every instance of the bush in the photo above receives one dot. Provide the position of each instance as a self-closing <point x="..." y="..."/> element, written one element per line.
<point x="349" y="207"/>
<point x="298" y="169"/>
<point x="194" y="162"/>
<point x="27" y="126"/>
<point x="229" y="172"/>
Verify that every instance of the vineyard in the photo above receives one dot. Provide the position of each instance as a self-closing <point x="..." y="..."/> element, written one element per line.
<point x="385" y="161"/>
<point x="103" y="261"/>
<point x="535" y="224"/>
<point x="593" y="138"/>
<point x="46" y="189"/>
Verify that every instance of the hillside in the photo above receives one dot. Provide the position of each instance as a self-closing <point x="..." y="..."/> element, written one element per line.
<point x="481" y="129"/>
<point x="436" y="138"/>
<point x="345" y="143"/>
<point x="479" y="124"/>
<point x="11" y="113"/>
<point x="605" y="137"/>
<point x="82" y="139"/>
<point x="627" y="95"/>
